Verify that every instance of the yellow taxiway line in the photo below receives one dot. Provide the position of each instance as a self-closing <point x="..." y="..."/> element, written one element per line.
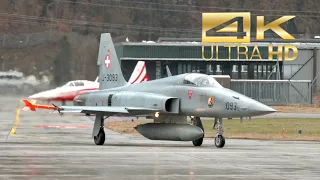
<point x="16" y="122"/>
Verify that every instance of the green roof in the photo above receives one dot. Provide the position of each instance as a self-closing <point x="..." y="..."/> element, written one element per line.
<point x="180" y="52"/>
<point x="192" y="50"/>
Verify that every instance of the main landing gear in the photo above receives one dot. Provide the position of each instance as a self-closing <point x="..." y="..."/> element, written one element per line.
<point x="219" y="141"/>
<point x="100" y="138"/>
<point x="98" y="130"/>
<point x="197" y="122"/>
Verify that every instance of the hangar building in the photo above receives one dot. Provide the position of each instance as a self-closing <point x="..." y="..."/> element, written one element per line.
<point x="183" y="57"/>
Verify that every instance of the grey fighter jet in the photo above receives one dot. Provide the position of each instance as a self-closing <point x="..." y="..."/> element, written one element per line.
<point x="169" y="101"/>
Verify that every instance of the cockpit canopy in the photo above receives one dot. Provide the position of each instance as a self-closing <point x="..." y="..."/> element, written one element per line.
<point x="74" y="83"/>
<point x="201" y="80"/>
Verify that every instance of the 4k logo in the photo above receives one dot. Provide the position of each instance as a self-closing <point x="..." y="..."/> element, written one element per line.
<point x="215" y="26"/>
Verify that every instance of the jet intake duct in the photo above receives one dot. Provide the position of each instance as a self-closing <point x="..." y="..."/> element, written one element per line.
<point x="170" y="132"/>
<point x="166" y="104"/>
<point x="148" y="100"/>
<point x="80" y="100"/>
<point x="172" y="105"/>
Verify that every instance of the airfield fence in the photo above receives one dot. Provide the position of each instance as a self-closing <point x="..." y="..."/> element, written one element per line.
<point x="275" y="92"/>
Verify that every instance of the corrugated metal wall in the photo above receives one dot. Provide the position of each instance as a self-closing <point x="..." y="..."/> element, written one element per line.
<point x="274" y="92"/>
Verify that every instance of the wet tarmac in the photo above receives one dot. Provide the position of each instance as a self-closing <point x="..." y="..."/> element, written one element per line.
<point x="49" y="146"/>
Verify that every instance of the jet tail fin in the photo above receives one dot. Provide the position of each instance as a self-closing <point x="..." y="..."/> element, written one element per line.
<point x="139" y="73"/>
<point x="110" y="74"/>
<point x="96" y="79"/>
<point x="168" y="71"/>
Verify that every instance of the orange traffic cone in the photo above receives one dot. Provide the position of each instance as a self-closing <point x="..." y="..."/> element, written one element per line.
<point x="132" y="126"/>
<point x="284" y="136"/>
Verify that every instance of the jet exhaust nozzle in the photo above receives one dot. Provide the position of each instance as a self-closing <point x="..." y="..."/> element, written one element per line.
<point x="170" y="132"/>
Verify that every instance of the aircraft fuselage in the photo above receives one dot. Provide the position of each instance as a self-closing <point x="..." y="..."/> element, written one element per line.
<point x="173" y="97"/>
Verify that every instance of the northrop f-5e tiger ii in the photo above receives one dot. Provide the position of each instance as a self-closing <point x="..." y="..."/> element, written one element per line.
<point x="168" y="100"/>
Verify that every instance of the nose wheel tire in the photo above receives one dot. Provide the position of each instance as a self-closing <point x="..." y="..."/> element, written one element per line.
<point x="219" y="141"/>
<point x="100" y="138"/>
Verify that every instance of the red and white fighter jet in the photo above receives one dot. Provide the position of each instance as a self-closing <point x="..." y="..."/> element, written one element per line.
<point x="72" y="89"/>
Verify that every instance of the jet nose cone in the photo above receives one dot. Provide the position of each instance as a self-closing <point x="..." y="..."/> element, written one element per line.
<point x="258" y="108"/>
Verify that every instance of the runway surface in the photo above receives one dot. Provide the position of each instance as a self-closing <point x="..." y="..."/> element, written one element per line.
<point x="50" y="146"/>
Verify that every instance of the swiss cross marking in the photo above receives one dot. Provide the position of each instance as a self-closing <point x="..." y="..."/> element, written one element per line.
<point x="107" y="61"/>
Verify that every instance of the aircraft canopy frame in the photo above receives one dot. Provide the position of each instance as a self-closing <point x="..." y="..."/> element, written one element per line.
<point x="202" y="80"/>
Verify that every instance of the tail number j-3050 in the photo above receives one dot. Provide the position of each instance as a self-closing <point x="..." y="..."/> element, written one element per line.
<point x="112" y="77"/>
<point x="231" y="106"/>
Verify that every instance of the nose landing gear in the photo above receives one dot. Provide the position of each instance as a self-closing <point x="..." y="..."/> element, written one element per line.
<point x="219" y="141"/>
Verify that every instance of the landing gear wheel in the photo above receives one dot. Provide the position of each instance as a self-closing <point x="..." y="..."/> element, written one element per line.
<point x="198" y="142"/>
<point x="100" y="138"/>
<point x="87" y="114"/>
<point x="219" y="141"/>
<point x="197" y="122"/>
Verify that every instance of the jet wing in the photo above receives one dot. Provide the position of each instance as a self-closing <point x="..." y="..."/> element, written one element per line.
<point x="90" y="109"/>
<point x="105" y="109"/>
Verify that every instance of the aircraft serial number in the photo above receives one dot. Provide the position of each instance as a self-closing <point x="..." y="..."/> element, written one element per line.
<point x="231" y="106"/>
<point x="112" y="77"/>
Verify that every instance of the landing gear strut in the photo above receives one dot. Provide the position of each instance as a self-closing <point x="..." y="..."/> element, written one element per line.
<point x="98" y="130"/>
<point x="219" y="141"/>
<point x="197" y="122"/>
